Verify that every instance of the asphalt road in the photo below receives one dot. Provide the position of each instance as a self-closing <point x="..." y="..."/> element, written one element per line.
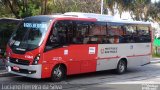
<point x="139" y="78"/>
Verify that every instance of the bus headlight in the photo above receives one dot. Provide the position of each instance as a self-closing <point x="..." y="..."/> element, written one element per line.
<point x="7" y="59"/>
<point x="36" y="59"/>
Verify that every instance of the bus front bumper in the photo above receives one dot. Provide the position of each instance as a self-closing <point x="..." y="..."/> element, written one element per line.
<point x="32" y="71"/>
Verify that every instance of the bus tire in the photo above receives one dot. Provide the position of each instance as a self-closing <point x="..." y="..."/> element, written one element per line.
<point x="121" y="67"/>
<point x="58" y="73"/>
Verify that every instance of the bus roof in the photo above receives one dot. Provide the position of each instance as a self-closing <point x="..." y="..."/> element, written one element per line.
<point x="98" y="17"/>
<point x="105" y="18"/>
<point x="131" y="22"/>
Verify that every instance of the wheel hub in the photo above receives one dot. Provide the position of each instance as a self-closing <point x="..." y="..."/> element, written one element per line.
<point x="58" y="72"/>
<point x="121" y="67"/>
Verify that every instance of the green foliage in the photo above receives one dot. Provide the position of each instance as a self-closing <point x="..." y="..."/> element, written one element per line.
<point x="156" y="42"/>
<point x="21" y="8"/>
<point x="156" y="55"/>
<point x="138" y="9"/>
<point x="32" y="10"/>
<point x="4" y="12"/>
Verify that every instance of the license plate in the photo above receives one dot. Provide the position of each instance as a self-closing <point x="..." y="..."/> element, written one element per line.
<point x="16" y="68"/>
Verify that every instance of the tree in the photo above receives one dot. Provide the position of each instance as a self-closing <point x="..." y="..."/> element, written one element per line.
<point x="21" y="8"/>
<point x="4" y="12"/>
<point x="140" y="9"/>
<point x="154" y="11"/>
<point x="110" y="4"/>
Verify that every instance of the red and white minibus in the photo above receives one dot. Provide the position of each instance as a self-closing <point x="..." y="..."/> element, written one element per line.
<point x="74" y="43"/>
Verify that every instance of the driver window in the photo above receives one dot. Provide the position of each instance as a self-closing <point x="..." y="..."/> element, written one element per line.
<point x="59" y="35"/>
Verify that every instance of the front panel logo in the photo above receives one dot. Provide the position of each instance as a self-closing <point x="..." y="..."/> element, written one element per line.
<point x="16" y="60"/>
<point x="28" y="57"/>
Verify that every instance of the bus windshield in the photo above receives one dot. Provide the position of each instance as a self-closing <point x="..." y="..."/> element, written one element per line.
<point x="29" y="35"/>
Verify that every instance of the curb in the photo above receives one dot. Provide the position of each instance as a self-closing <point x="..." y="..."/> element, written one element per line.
<point x="155" y="61"/>
<point x="3" y="72"/>
<point x="2" y="68"/>
<point x="156" y="58"/>
<point x="2" y="62"/>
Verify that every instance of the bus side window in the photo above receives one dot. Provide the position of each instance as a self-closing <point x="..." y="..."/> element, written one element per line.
<point x="80" y="35"/>
<point x="52" y="39"/>
<point x="115" y="33"/>
<point x="97" y="33"/>
<point x="130" y="34"/>
<point x="143" y="34"/>
<point x="57" y="36"/>
<point x="89" y="32"/>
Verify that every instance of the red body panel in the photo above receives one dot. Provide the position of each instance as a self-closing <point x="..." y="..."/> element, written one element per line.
<point x="78" y="59"/>
<point x="79" y="54"/>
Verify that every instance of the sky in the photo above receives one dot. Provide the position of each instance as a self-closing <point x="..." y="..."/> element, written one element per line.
<point x="154" y="0"/>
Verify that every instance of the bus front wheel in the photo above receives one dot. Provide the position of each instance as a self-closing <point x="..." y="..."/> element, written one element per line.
<point x="58" y="73"/>
<point x="121" y="67"/>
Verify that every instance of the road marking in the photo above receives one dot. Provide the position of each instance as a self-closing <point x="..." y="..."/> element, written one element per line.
<point x="155" y="61"/>
<point x="8" y="75"/>
<point x="135" y="82"/>
<point x="155" y="79"/>
<point x="3" y="73"/>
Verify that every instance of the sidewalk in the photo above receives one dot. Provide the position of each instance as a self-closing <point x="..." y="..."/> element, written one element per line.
<point x="155" y="60"/>
<point x="1" y="62"/>
<point x="2" y="65"/>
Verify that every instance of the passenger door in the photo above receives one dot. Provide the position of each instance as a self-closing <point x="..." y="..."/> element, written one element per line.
<point x="81" y="54"/>
<point x="57" y="47"/>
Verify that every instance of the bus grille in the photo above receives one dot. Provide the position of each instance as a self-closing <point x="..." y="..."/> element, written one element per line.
<point x="19" y="61"/>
